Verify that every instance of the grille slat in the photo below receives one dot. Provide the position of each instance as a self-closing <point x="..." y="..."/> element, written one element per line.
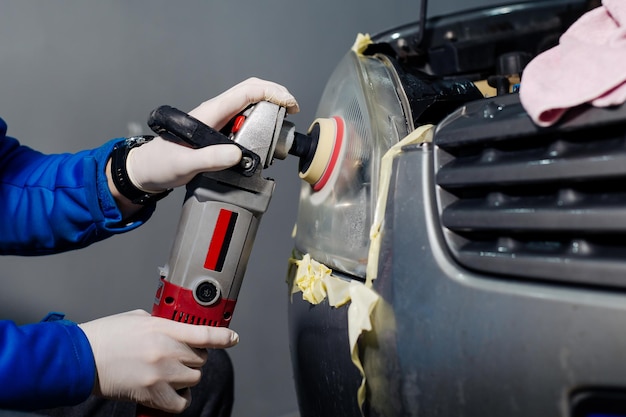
<point x="469" y="215"/>
<point x="562" y="267"/>
<point x="545" y="204"/>
<point x="531" y="171"/>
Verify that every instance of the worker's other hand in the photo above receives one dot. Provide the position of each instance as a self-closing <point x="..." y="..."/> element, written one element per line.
<point x="160" y="164"/>
<point x="151" y="360"/>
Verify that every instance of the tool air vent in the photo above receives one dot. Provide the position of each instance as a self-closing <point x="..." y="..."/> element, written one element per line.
<point x="184" y="317"/>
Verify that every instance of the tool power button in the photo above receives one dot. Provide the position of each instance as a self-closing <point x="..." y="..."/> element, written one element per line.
<point x="207" y="292"/>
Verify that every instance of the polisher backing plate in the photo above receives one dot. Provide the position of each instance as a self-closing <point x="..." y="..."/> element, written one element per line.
<point x="330" y="141"/>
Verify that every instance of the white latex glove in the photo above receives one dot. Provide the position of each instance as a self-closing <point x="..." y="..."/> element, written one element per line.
<point x="147" y="359"/>
<point x="161" y="164"/>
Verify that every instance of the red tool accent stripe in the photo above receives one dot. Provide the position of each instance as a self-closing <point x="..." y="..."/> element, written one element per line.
<point x="222" y="235"/>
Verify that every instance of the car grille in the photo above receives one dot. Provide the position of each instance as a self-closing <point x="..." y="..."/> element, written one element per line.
<point x="516" y="200"/>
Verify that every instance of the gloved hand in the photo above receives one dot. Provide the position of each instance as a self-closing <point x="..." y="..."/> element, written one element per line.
<point x="147" y="359"/>
<point x="161" y="164"/>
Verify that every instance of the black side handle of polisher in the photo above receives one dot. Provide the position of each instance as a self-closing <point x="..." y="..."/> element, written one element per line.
<point x="176" y="125"/>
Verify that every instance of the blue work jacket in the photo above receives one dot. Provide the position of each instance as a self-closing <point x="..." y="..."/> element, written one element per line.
<point x="50" y="204"/>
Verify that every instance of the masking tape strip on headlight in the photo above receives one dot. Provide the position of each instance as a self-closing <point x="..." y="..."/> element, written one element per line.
<point x="361" y="43"/>
<point x="317" y="283"/>
<point x="422" y="134"/>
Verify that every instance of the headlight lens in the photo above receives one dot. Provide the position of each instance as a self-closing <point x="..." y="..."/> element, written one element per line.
<point x="333" y="223"/>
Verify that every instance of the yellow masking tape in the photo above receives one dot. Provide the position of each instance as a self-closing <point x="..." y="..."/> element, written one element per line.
<point x="422" y="134"/>
<point x="316" y="282"/>
<point x="361" y="43"/>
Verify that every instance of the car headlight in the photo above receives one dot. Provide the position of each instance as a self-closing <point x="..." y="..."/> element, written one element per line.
<point x="364" y="97"/>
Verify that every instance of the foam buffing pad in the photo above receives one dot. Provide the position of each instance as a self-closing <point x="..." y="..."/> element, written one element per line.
<point x="329" y="133"/>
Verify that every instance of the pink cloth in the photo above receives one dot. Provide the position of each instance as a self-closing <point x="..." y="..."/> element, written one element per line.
<point x="587" y="66"/>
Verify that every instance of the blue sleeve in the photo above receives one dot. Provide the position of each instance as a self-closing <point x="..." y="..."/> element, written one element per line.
<point x="44" y="365"/>
<point x="57" y="202"/>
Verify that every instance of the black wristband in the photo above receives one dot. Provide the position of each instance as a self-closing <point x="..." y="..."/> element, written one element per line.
<point x="120" y="174"/>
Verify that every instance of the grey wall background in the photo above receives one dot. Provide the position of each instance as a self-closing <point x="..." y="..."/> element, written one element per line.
<point x="74" y="74"/>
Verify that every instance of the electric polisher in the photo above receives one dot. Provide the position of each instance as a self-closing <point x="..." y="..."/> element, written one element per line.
<point x="222" y="210"/>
